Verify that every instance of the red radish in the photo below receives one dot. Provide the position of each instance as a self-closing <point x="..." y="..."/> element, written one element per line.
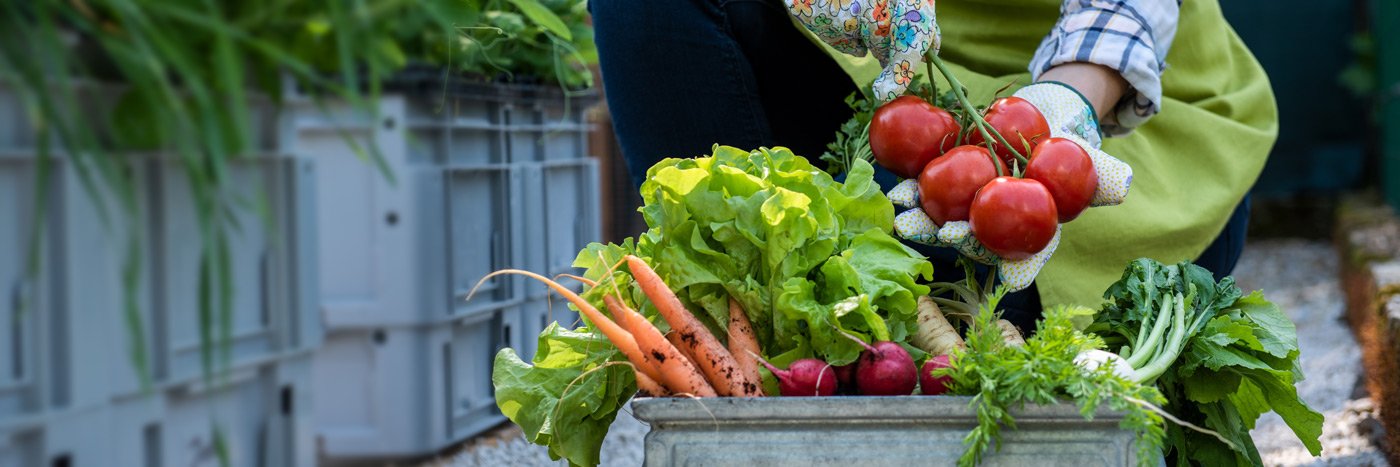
<point x="929" y="384"/>
<point x="885" y="369"/>
<point x="805" y="377"/>
<point x="846" y="378"/>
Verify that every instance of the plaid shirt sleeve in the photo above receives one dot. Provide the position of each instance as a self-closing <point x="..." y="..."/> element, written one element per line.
<point x="1131" y="36"/>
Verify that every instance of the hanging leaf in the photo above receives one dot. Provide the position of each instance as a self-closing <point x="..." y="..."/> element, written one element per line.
<point x="543" y="17"/>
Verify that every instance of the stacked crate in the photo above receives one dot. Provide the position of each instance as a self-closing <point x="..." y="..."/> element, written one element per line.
<point x="483" y="178"/>
<point x="71" y="393"/>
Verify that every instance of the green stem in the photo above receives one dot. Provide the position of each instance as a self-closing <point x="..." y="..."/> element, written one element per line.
<point x="1145" y="350"/>
<point x="932" y="84"/>
<point x="967" y="294"/>
<point x="1174" y="345"/>
<point x="987" y="131"/>
<point x="960" y="307"/>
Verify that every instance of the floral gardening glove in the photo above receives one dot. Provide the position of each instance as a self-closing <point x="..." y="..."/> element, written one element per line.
<point x="897" y="32"/>
<point x="1071" y="117"/>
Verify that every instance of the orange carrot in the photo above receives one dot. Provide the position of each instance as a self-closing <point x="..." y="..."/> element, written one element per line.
<point x="677" y="372"/>
<point x="742" y="343"/>
<point x="586" y="281"/>
<point x="711" y="356"/>
<point x="620" y="338"/>
<point x="649" y="387"/>
<point x="675" y="338"/>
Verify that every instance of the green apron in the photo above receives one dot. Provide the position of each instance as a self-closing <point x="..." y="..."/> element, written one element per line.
<point x="1192" y="163"/>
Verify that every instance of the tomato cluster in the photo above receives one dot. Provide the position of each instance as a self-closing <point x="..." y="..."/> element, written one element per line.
<point x="1013" y="214"/>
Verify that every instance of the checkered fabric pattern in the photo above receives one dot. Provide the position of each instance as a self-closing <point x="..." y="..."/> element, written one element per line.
<point x="1131" y="36"/>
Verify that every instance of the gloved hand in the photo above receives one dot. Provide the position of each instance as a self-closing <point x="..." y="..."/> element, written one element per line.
<point x="1071" y="117"/>
<point x="897" y="32"/>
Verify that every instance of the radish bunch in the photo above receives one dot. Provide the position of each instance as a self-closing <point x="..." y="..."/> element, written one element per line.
<point x="883" y="369"/>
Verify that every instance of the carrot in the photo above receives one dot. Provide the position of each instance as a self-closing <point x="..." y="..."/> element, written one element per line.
<point x="620" y="338"/>
<point x="649" y="387"/>
<point x="713" y="358"/>
<point x="742" y="343"/>
<point x="678" y="373"/>
<point x="675" y="339"/>
<point x="586" y="281"/>
<point x="934" y="333"/>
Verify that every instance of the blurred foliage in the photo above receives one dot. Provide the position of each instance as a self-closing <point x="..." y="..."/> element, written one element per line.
<point x="1359" y="76"/>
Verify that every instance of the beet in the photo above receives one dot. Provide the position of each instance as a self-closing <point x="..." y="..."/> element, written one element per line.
<point x="930" y="385"/>
<point x="886" y="369"/>
<point x="846" y="378"/>
<point x="805" y="377"/>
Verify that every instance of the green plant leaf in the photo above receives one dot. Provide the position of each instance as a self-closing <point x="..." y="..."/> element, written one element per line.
<point x="544" y="18"/>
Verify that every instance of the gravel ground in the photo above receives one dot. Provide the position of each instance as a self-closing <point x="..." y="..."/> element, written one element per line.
<point x="1300" y="276"/>
<point x="507" y="448"/>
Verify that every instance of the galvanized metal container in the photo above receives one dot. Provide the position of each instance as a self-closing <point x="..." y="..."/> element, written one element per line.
<point x="868" y="431"/>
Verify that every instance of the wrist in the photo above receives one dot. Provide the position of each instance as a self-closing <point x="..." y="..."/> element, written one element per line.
<point x="1100" y="86"/>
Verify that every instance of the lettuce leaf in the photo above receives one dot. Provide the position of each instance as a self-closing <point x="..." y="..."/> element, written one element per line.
<point x="569" y="397"/>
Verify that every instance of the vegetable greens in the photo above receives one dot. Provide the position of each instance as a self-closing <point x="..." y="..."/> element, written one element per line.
<point x="806" y="256"/>
<point x="1043" y="371"/>
<point x="1225" y="360"/>
<point x="570" y="396"/>
<point x="852" y="141"/>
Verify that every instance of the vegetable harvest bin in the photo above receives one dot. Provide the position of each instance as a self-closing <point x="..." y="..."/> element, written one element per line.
<point x="869" y="431"/>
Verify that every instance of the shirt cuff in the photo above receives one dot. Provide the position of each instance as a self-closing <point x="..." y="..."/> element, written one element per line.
<point x="1131" y="37"/>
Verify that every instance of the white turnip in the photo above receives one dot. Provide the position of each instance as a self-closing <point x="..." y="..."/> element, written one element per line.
<point x="1092" y="359"/>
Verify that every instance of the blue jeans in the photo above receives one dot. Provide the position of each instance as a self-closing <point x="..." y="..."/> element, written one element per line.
<point x="683" y="75"/>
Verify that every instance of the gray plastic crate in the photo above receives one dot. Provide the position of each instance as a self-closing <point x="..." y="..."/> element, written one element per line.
<point x="263" y="414"/>
<point x="547" y="127"/>
<point x="67" y="378"/>
<point x="21" y="449"/>
<point x="574" y="217"/>
<point x="72" y="367"/>
<point x="877" y="431"/>
<point x="69" y="345"/>
<point x="482" y="204"/>
<point x="467" y="363"/>
<point x="19" y="366"/>
<point x="408" y="252"/>
<point x="272" y="307"/>
<point x="402" y="392"/>
<point x="560" y="213"/>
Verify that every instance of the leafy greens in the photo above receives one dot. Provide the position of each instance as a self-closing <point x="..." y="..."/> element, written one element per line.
<point x="1043" y="371"/>
<point x="1231" y="360"/>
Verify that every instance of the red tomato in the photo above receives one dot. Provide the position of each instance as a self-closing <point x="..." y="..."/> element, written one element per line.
<point x="1067" y="171"/>
<point x="907" y="133"/>
<point x="1013" y="217"/>
<point x="948" y="183"/>
<point x="1018" y="121"/>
